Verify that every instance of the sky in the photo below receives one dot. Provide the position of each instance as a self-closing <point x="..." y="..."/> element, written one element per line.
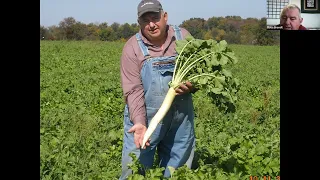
<point x="125" y="11"/>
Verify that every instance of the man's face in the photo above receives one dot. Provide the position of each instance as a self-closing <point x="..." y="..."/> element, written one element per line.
<point x="153" y="24"/>
<point x="290" y="19"/>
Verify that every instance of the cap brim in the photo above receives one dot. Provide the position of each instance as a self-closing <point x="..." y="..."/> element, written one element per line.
<point x="148" y="10"/>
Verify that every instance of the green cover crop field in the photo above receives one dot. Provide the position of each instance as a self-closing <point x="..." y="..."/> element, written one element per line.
<point x="81" y="114"/>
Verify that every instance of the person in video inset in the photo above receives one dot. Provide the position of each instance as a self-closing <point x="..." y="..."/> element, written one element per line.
<point x="290" y="18"/>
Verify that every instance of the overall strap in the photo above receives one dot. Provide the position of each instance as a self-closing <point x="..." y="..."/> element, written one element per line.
<point x="142" y="46"/>
<point x="177" y="32"/>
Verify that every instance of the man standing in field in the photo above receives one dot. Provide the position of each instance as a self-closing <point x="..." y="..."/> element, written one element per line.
<point x="290" y="18"/>
<point x="147" y="65"/>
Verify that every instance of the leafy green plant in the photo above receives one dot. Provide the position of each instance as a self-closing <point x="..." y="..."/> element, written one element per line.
<point x="202" y="62"/>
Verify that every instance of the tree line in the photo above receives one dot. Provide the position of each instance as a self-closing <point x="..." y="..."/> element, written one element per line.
<point x="233" y="29"/>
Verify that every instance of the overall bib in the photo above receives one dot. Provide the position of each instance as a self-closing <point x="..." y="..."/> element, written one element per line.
<point x="174" y="136"/>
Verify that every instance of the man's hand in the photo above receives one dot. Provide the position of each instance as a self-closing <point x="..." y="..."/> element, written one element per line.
<point x="138" y="132"/>
<point x="184" y="88"/>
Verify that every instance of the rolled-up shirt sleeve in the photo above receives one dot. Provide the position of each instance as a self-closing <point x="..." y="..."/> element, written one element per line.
<point x="132" y="85"/>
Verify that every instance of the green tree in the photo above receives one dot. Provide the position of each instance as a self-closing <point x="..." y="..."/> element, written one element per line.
<point x="55" y="33"/>
<point x="115" y="26"/>
<point x="232" y="38"/>
<point x="92" y="32"/>
<point x="43" y="33"/>
<point x="264" y="36"/>
<point x="79" y="31"/>
<point x="66" y="28"/>
<point x="126" y="31"/>
<point x="135" y="27"/>
<point x="212" y="22"/>
<point x="107" y="34"/>
<point x="195" y="26"/>
<point x="208" y="35"/>
<point x="221" y="35"/>
<point x="248" y="32"/>
<point x="103" y="25"/>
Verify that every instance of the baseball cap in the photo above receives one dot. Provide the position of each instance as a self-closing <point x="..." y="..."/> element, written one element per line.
<point x="149" y="6"/>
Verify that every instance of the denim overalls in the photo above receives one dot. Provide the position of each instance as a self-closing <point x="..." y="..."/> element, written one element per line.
<point x="174" y="136"/>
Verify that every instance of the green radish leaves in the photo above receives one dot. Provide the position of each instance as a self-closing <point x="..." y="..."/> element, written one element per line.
<point x="203" y="63"/>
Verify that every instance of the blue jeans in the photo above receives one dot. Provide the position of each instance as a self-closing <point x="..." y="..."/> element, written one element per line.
<point x="174" y="137"/>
